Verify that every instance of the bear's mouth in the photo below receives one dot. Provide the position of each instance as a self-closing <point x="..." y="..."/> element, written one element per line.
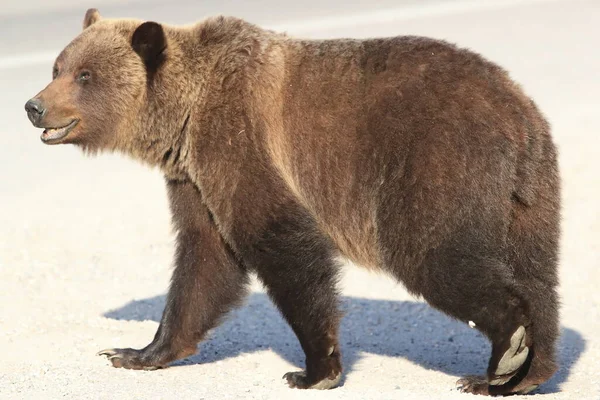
<point x="54" y="135"/>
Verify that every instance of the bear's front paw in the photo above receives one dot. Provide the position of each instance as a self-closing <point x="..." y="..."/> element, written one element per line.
<point x="129" y="359"/>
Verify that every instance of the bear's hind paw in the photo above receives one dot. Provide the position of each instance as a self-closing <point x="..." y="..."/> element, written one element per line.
<point x="474" y="385"/>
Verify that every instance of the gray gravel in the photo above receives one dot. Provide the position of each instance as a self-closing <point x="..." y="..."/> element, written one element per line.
<point x="86" y="245"/>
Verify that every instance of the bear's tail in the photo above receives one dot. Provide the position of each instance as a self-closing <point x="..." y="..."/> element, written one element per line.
<point x="537" y="166"/>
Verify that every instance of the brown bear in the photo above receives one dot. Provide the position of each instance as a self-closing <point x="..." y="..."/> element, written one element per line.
<point x="408" y="155"/>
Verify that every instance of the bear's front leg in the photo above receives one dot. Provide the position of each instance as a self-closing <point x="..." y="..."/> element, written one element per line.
<point x="207" y="282"/>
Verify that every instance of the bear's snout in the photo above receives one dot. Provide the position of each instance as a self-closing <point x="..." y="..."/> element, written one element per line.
<point x="57" y="121"/>
<point x="35" y="111"/>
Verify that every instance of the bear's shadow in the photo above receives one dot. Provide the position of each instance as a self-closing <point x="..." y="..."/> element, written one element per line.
<point x="408" y="329"/>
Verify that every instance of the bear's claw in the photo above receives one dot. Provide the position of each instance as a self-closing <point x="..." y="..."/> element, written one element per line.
<point x="106" y="352"/>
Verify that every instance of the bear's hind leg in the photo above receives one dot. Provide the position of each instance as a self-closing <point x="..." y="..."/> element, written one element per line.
<point x="533" y="253"/>
<point x="481" y="290"/>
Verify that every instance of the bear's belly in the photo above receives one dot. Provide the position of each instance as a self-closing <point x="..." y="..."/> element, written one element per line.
<point x="345" y="212"/>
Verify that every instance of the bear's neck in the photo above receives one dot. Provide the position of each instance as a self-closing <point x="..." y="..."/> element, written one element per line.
<point x="163" y="147"/>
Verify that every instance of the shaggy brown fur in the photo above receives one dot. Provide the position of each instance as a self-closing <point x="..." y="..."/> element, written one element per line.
<point x="405" y="154"/>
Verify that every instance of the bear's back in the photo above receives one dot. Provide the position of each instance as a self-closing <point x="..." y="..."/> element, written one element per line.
<point x="407" y="129"/>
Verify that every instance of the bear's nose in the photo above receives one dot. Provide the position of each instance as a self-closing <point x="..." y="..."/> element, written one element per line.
<point x="35" y="110"/>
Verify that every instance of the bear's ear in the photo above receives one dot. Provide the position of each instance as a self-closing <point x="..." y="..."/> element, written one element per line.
<point x="91" y="16"/>
<point x="149" y="42"/>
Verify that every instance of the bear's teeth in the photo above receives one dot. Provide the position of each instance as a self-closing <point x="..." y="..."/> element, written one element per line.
<point x="53" y="133"/>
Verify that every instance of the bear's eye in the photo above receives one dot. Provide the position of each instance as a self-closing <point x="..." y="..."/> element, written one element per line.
<point x="84" y="76"/>
<point x="54" y="72"/>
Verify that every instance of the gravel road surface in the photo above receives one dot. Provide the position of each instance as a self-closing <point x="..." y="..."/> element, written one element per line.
<point x="86" y="243"/>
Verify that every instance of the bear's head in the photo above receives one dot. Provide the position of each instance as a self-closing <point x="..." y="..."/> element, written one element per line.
<point x="103" y="90"/>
